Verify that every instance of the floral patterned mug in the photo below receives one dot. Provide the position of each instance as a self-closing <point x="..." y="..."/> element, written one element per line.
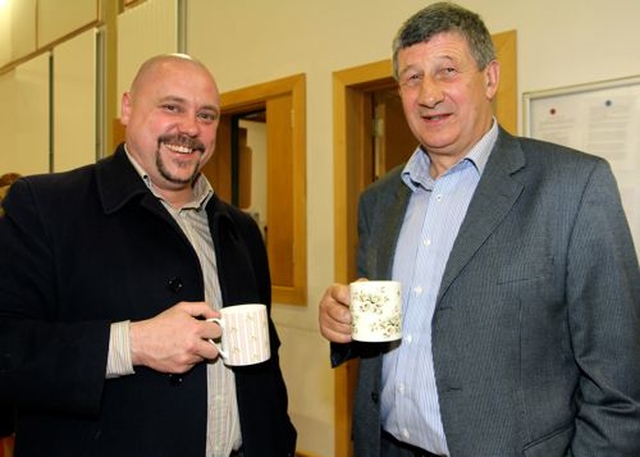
<point x="376" y="310"/>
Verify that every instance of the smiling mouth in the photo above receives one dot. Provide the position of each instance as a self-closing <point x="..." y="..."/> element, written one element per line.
<point x="179" y="149"/>
<point x="181" y="144"/>
<point x="435" y="117"/>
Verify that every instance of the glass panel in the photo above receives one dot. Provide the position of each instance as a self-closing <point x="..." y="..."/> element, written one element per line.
<point x="57" y="19"/>
<point x="17" y="29"/>
<point x="74" y="110"/>
<point x="24" y="121"/>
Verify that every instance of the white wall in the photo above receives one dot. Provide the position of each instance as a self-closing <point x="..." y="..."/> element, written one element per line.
<point x="246" y="42"/>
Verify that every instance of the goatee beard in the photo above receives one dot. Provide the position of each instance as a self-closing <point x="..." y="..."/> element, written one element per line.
<point x="183" y="141"/>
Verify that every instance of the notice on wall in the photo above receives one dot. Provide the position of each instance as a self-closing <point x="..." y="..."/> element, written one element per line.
<point x="602" y="119"/>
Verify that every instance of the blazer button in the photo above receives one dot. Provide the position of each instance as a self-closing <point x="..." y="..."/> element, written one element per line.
<point x="375" y="397"/>
<point x="175" y="284"/>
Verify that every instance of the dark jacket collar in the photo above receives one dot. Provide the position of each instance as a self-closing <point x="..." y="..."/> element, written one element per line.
<point x="119" y="183"/>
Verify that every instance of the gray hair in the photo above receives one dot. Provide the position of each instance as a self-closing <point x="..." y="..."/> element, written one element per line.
<point x="445" y="17"/>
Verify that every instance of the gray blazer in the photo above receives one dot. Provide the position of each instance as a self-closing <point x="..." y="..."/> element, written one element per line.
<point x="536" y="332"/>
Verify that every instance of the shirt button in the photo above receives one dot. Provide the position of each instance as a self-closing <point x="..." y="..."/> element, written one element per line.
<point x="408" y="339"/>
<point x="427" y="242"/>
<point x="417" y="290"/>
<point x="405" y="433"/>
<point x="439" y="197"/>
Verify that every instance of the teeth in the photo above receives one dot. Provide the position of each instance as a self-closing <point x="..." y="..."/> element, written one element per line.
<point x="179" y="149"/>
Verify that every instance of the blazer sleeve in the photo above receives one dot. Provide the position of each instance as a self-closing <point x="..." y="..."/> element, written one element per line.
<point x="39" y="355"/>
<point x="367" y="267"/>
<point x="603" y="296"/>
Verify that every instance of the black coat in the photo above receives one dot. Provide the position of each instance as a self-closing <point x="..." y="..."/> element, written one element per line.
<point x="82" y="249"/>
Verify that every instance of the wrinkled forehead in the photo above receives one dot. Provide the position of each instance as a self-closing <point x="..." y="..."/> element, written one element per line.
<point x="444" y="46"/>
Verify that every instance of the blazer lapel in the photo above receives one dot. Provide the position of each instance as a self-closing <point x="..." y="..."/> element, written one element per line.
<point x="392" y="221"/>
<point x="497" y="192"/>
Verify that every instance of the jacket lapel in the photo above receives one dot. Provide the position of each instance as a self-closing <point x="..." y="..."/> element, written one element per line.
<point x="497" y="192"/>
<point x="118" y="184"/>
<point x="117" y="181"/>
<point x="238" y="282"/>
<point x="393" y="219"/>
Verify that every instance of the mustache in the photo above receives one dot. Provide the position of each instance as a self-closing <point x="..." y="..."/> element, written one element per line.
<point x="183" y="141"/>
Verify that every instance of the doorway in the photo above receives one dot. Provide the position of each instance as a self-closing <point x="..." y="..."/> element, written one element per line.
<point x="274" y="113"/>
<point x="393" y="141"/>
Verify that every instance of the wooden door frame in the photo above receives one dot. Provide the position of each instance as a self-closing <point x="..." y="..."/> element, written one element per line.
<point x="352" y="133"/>
<point x="259" y="96"/>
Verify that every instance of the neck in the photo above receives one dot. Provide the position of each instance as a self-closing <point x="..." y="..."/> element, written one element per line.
<point x="176" y="198"/>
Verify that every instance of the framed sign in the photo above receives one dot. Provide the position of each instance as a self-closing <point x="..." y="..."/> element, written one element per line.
<point x="600" y="118"/>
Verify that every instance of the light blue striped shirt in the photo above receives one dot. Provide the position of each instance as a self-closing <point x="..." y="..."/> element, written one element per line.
<point x="410" y="409"/>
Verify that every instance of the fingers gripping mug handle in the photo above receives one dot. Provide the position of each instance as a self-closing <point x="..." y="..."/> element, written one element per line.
<point x="220" y="322"/>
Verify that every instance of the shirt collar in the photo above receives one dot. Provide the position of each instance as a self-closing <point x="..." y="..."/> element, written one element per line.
<point x="202" y="190"/>
<point x="416" y="171"/>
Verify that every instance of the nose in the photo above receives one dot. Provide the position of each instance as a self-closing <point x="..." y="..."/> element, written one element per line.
<point x="431" y="93"/>
<point x="188" y="125"/>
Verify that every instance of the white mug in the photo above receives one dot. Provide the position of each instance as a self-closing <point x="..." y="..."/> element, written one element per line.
<point x="376" y="310"/>
<point x="245" y="334"/>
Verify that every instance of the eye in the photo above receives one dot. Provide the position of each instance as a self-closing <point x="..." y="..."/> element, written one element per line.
<point x="209" y="116"/>
<point x="411" y="79"/>
<point x="170" y="107"/>
<point x="448" y="72"/>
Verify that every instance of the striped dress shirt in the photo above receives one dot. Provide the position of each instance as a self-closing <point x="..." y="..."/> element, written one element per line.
<point x="223" y="422"/>
<point x="436" y="209"/>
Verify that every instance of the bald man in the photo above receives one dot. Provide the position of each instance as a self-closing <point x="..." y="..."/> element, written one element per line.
<point x="108" y="276"/>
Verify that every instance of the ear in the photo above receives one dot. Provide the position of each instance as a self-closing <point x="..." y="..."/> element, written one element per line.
<point x="125" y="108"/>
<point x="492" y="78"/>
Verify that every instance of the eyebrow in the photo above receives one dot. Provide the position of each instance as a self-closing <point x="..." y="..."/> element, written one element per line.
<point x="176" y="99"/>
<point x="211" y="108"/>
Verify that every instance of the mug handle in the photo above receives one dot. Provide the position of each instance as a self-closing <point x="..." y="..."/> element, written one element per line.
<point x="220" y="322"/>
